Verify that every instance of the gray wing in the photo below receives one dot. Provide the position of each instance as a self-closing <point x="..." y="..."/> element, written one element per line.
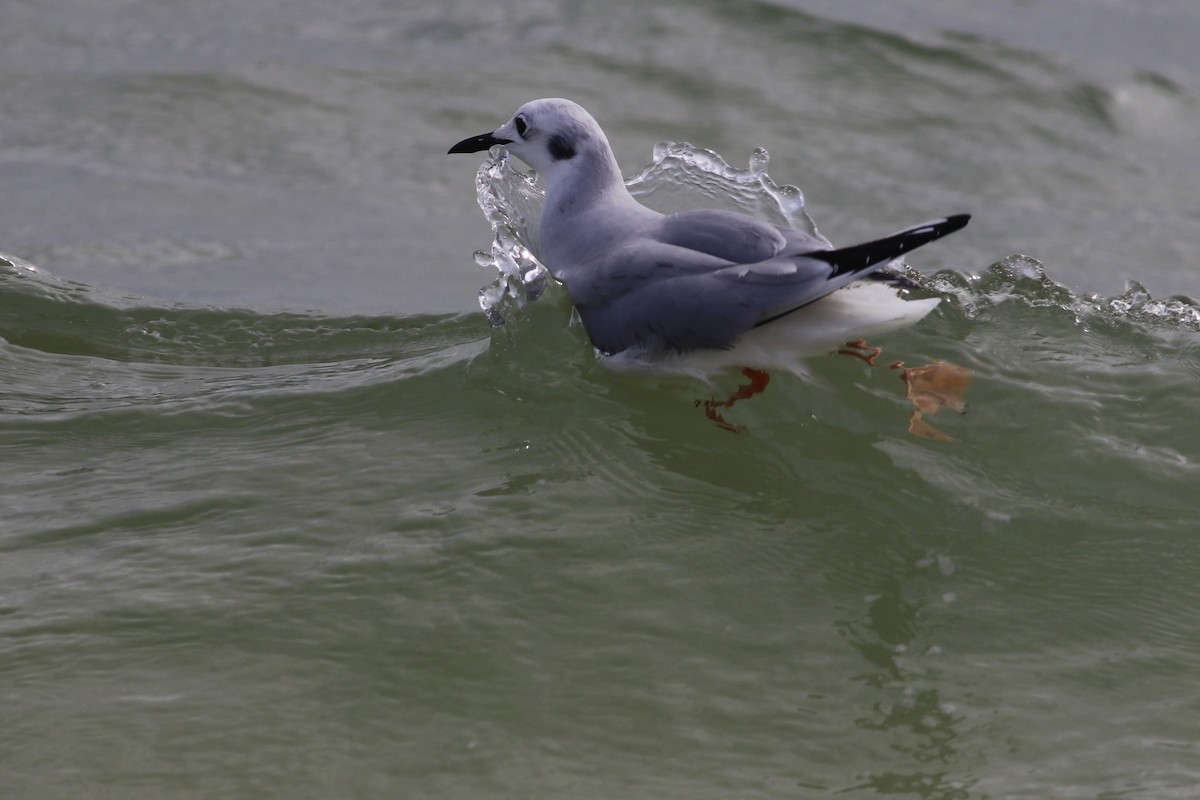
<point x="734" y="237"/>
<point x="662" y="295"/>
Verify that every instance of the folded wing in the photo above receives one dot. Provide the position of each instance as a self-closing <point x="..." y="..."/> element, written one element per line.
<point x="679" y="292"/>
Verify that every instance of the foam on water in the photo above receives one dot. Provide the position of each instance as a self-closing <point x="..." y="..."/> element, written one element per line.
<point x="1023" y="279"/>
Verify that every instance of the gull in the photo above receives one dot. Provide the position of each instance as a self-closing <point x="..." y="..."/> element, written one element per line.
<point x="694" y="281"/>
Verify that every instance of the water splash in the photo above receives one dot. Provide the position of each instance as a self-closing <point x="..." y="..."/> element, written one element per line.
<point x="683" y="177"/>
<point x="512" y="202"/>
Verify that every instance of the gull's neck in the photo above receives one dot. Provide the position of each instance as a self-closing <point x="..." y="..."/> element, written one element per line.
<point x="581" y="183"/>
<point x="588" y="209"/>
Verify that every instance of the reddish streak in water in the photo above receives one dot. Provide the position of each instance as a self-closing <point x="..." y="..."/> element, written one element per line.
<point x="757" y="385"/>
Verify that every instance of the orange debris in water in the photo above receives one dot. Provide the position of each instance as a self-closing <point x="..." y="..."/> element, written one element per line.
<point x="931" y="388"/>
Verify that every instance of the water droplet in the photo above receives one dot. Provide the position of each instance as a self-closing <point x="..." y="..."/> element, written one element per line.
<point x="759" y="160"/>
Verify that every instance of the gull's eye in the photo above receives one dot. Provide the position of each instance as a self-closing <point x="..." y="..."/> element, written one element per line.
<point x="519" y="124"/>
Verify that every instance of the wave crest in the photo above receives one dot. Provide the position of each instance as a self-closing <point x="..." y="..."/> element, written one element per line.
<point x="43" y="312"/>
<point x="1023" y="279"/>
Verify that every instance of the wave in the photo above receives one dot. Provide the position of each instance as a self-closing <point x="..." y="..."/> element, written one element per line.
<point x="69" y="350"/>
<point x="67" y="347"/>
<point x="43" y="312"/>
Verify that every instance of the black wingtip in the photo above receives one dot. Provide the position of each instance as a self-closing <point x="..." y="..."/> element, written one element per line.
<point x="862" y="258"/>
<point x="955" y="222"/>
<point x="935" y="229"/>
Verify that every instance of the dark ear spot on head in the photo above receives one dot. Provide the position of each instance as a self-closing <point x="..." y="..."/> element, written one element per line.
<point x="560" y="147"/>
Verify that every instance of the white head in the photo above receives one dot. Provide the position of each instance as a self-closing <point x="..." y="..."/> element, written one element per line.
<point x="555" y="137"/>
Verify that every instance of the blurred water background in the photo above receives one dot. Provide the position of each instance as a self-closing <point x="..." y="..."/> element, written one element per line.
<point x="283" y="515"/>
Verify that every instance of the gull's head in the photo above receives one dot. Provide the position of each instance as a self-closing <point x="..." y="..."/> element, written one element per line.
<point x="551" y="135"/>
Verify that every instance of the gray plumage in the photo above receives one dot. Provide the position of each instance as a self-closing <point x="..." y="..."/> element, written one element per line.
<point x="677" y="282"/>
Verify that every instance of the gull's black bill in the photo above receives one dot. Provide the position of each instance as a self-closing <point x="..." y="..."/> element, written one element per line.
<point x="476" y="143"/>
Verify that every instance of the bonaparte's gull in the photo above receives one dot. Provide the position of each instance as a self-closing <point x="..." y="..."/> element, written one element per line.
<point x="694" y="280"/>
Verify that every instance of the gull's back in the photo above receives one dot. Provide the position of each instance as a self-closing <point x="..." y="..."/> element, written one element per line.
<point x="692" y="280"/>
